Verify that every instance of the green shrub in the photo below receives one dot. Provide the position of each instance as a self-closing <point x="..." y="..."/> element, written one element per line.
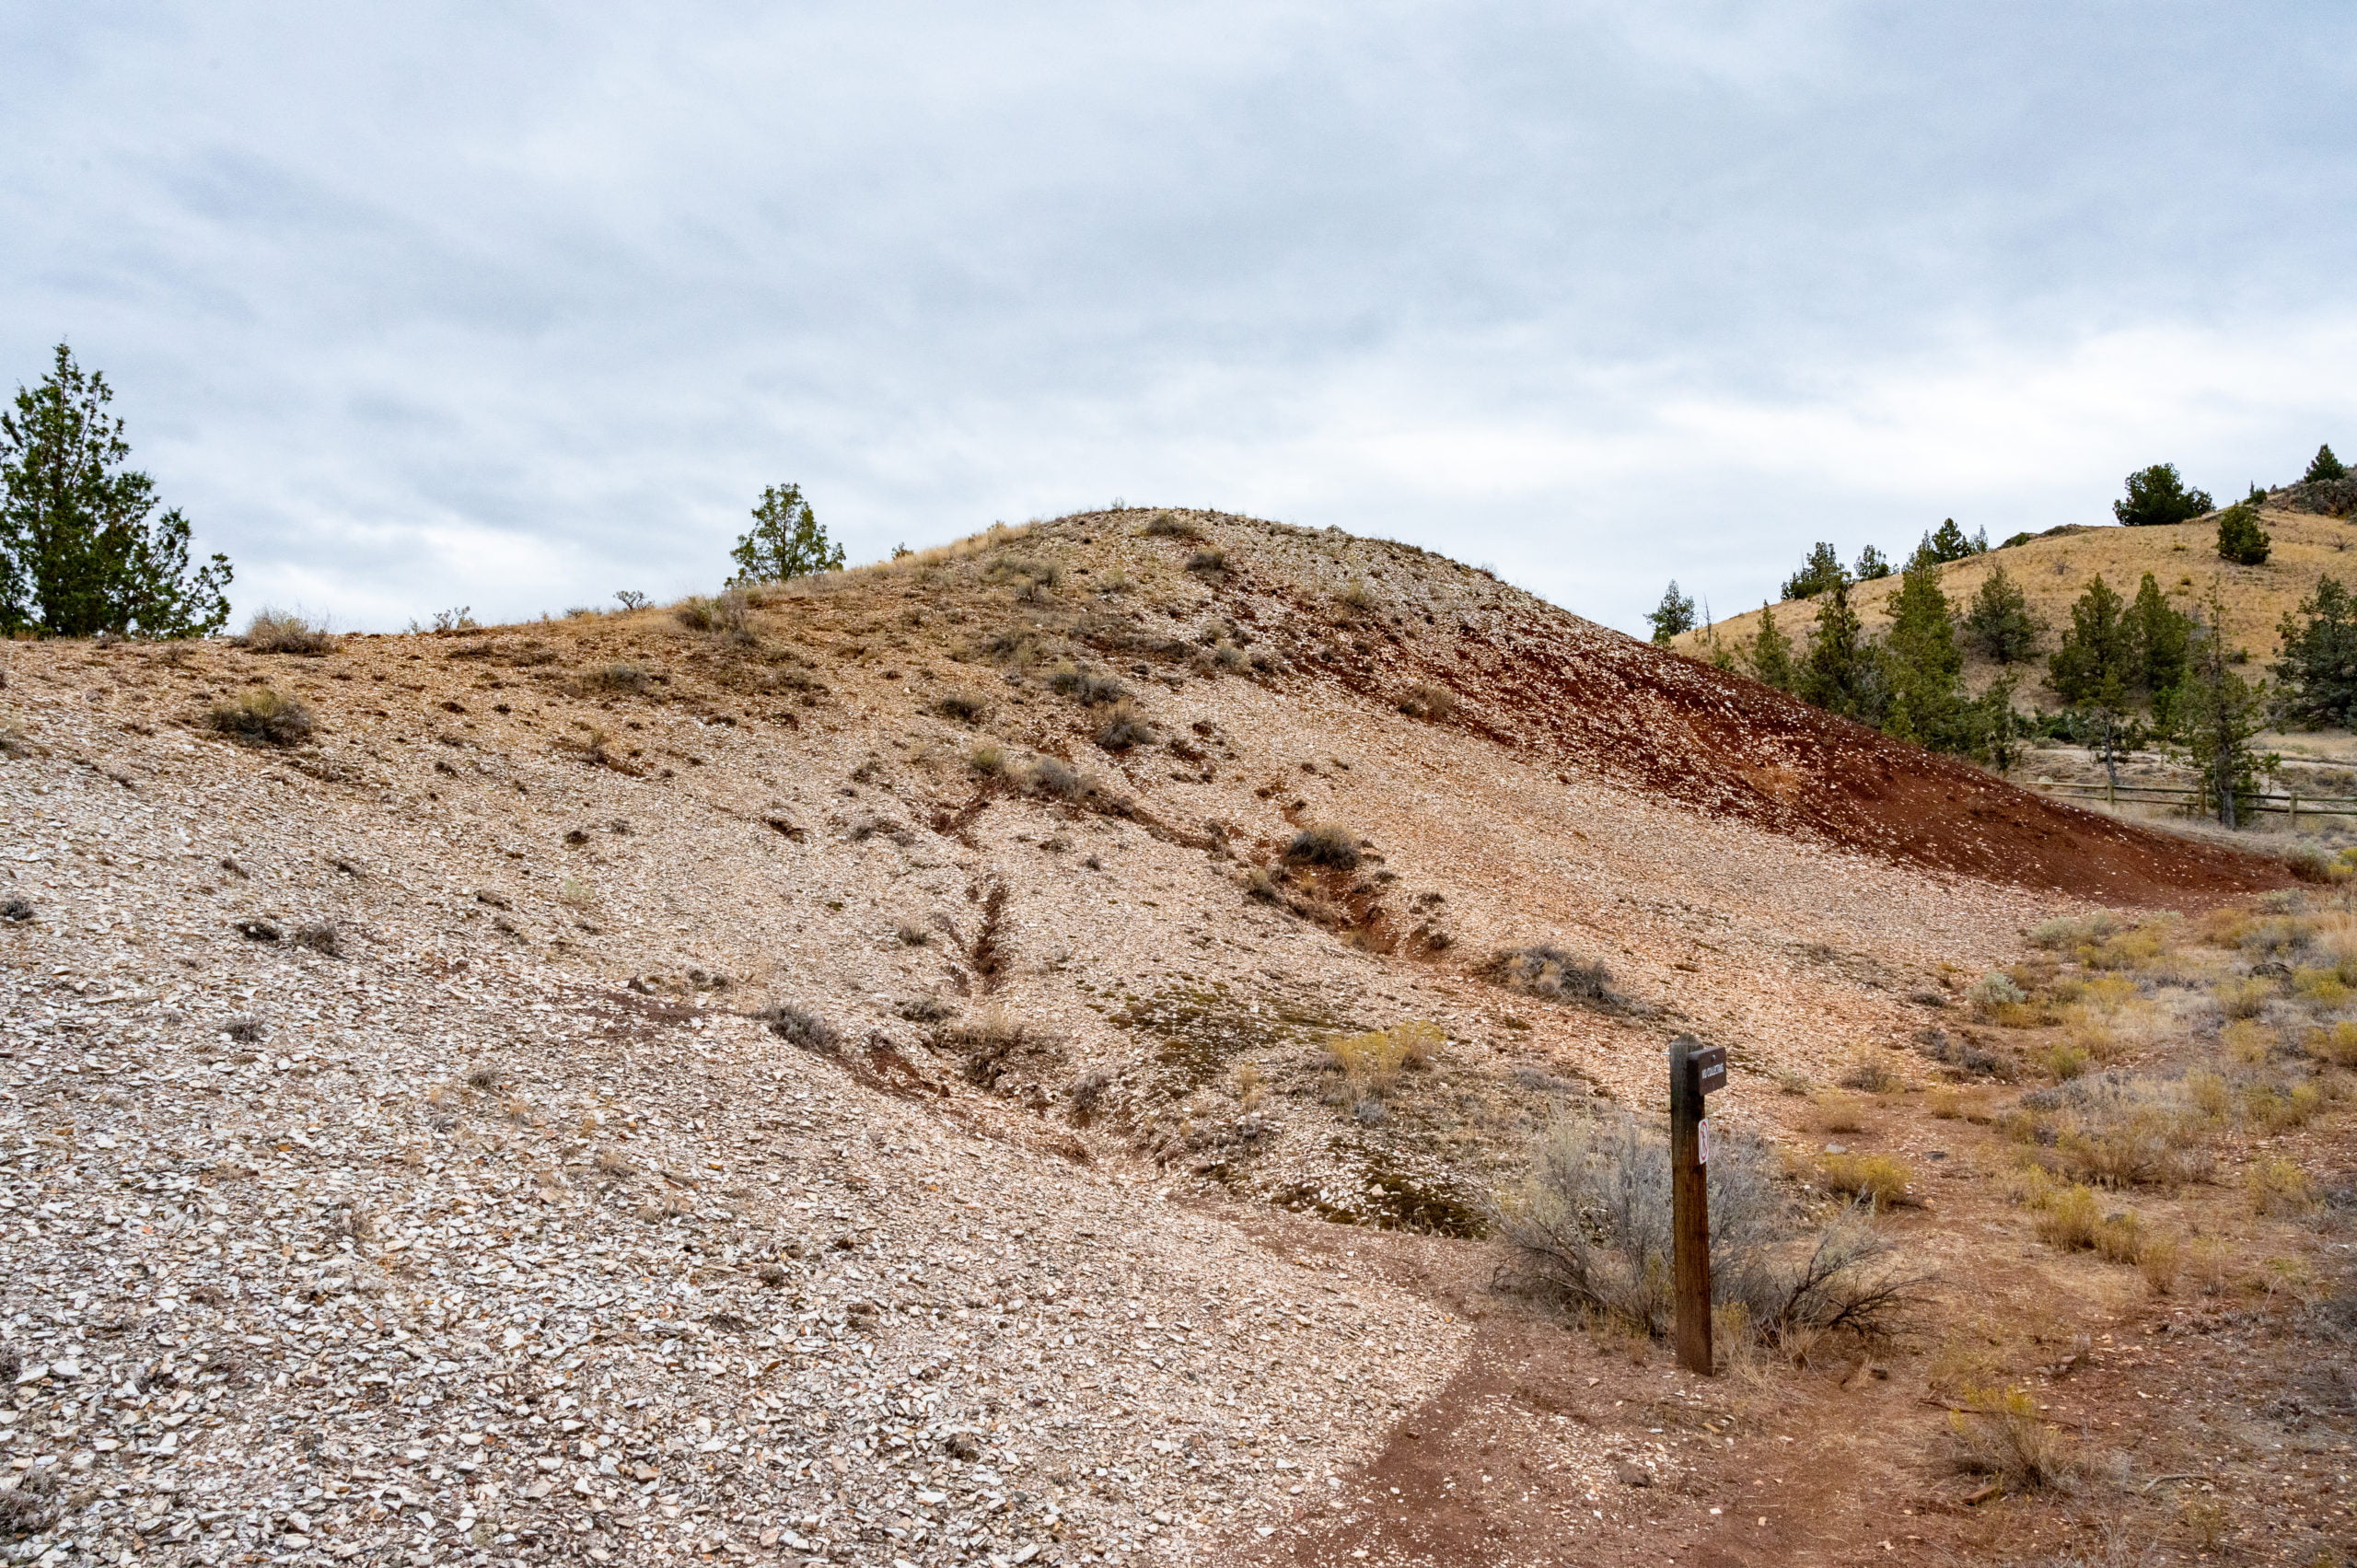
<point x="2240" y="539"/>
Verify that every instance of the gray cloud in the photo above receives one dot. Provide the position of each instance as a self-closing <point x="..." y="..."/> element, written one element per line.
<point x="513" y="305"/>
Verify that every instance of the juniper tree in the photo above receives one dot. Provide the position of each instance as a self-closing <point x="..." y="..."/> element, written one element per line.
<point x="1673" y="615"/>
<point x="1873" y="565"/>
<point x="82" y="549"/>
<point x="784" y="542"/>
<point x="1821" y="570"/>
<point x="2324" y="467"/>
<point x="2316" y="677"/>
<point x="2221" y="712"/>
<point x="1772" y="654"/>
<point x="2157" y="495"/>
<point x="2094" y="666"/>
<point x="2240" y="539"/>
<point x="1947" y="543"/>
<point x="2159" y="638"/>
<point x="1923" y="663"/>
<point x="1842" y="671"/>
<point x="1999" y="623"/>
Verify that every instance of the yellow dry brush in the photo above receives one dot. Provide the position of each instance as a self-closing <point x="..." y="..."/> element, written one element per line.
<point x="1372" y="1062"/>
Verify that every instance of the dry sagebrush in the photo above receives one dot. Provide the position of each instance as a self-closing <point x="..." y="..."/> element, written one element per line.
<point x="1591" y="1227"/>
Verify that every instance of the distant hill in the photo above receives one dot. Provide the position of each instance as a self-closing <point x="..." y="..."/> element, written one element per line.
<point x="2053" y="570"/>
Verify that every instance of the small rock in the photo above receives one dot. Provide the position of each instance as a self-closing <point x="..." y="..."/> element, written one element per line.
<point x="1635" y="1475"/>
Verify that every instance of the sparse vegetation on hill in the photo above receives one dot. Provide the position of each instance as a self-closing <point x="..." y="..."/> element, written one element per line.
<point x="776" y="1046"/>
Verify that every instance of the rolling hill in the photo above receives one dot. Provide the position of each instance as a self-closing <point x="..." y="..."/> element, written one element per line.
<point x="2054" y="569"/>
<point x="841" y="1071"/>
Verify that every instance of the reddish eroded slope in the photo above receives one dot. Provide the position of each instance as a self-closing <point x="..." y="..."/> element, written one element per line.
<point x="1538" y="680"/>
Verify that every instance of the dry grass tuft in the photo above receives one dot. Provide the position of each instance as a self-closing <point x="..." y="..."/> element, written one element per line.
<point x="620" y="676"/>
<point x="2158" y="1260"/>
<point x="1371" y="1062"/>
<point x="1169" y="525"/>
<point x="1427" y="700"/>
<point x="1545" y="969"/>
<point x="322" y="936"/>
<point x="1326" y="844"/>
<point x="1878" y="1180"/>
<point x="1838" y="1112"/>
<point x="800" y="1026"/>
<point x="1248" y="1084"/>
<point x="261" y="717"/>
<point x="1085" y="686"/>
<point x="1873" y="1073"/>
<point x="1997" y="1432"/>
<point x="2279" y="1187"/>
<point x="1123" y="729"/>
<point x="2245" y="998"/>
<point x="283" y="632"/>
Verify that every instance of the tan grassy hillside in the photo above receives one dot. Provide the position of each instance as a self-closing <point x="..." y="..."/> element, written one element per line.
<point x="861" y="1071"/>
<point x="2053" y="571"/>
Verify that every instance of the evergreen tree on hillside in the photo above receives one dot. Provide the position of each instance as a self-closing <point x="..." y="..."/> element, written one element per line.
<point x="1772" y="654"/>
<point x="2240" y="539"/>
<point x="2324" y="467"/>
<point x="784" y="542"/>
<point x="1673" y="615"/>
<point x="1873" y="565"/>
<point x="2159" y="638"/>
<point x="2221" y="712"/>
<point x="2096" y="662"/>
<point x="80" y="552"/>
<point x="1999" y="623"/>
<point x="1842" y="671"/>
<point x="2316" y="678"/>
<point x="2095" y="668"/>
<point x="2156" y="496"/>
<point x="1923" y="662"/>
<point x="1947" y="543"/>
<point x="1821" y="570"/>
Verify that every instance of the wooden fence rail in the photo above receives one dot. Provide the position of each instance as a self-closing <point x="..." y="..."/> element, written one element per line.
<point x="2201" y="800"/>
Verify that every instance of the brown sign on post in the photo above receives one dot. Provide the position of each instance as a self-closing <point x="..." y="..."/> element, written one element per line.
<point x="1691" y="1065"/>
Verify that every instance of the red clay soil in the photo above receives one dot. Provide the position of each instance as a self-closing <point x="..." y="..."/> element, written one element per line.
<point x="1727" y="745"/>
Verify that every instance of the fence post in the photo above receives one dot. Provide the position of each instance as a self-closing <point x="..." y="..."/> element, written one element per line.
<point x="1689" y="1217"/>
<point x="2295" y="810"/>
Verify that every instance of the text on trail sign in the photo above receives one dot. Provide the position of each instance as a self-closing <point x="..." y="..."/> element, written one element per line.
<point x="1710" y="1068"/>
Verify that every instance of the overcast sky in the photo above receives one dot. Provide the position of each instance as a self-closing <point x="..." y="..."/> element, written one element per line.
<point x="512" y="305"/>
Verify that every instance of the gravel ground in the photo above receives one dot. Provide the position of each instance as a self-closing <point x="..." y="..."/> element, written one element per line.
<point x="399" y="1166"/>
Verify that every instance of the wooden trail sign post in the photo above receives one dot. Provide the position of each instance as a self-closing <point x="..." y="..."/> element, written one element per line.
<point x="1695" y="1070"/>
